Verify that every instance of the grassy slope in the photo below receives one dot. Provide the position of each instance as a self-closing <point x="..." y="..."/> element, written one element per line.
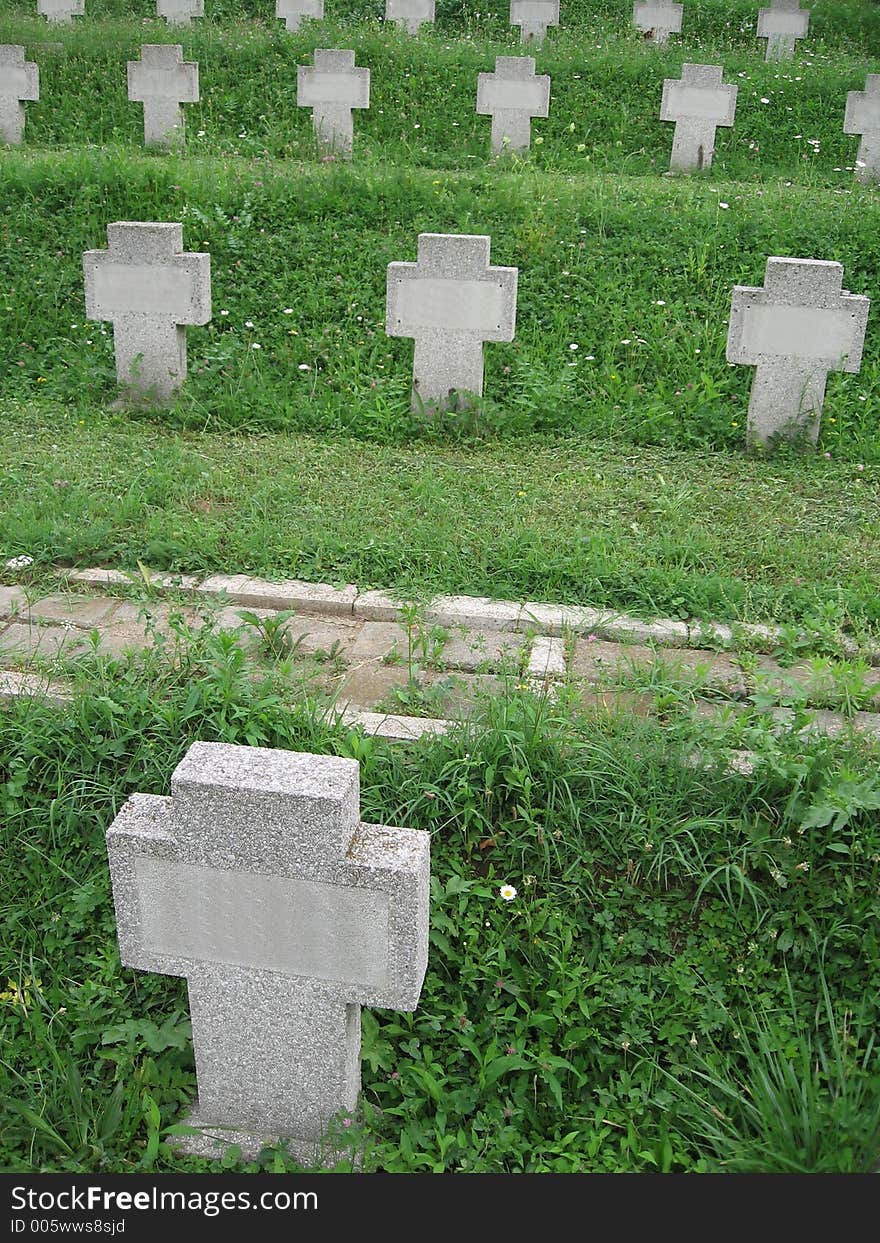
<point x="299" y="251"/>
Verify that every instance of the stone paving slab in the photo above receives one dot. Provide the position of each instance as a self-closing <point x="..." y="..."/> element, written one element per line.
<point x="394" y="727"/>
<point x="82" y="611"/>
<point x="17" y="685"/>
<point x="21" y="639"/>
<point x="600" y="661"/>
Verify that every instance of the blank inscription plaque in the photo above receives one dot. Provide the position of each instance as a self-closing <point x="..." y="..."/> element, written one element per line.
<point x="465" y="306"/>
<point x="798" y="332"/>
<point x="148" y="288"/>
<point x="271" y="923"/>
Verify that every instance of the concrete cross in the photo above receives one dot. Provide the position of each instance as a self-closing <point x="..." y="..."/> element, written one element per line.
<point x="783" y="23"/>
<point x="19" y="81"/>
<point x="795" y="330"/>
<point x="697" y="103"/>
<point x="451" y="301"/>
<point x="863" y="117"/>
<point x="409" y="13"/>
<point x="149" y="289"/>
<point x="180" y="12"/>
<point x="258" y="883"/>
<point x="292" y="12"/>
<point x="58" y="11"/>
<point x="331" y="88"/>
<point x="533" y="17"/>
<point x="512" y="95"/>
<point x="657" y="19"/>
<point x="162" y="80"/>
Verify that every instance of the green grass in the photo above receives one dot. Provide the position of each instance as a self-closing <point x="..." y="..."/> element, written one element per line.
<point x="659" y="905"/>
<point x="539" y="518"/>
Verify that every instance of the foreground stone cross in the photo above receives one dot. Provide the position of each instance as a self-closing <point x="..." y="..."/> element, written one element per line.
<point x="657" y="19"/>
<point x="409" y="13"/>
<point x="331" y="88"/>
<point x="19" y="81"/>
<point x="697" y="104"/>
<point x="512" y="95"/>
<point x="292" y="12"/>
<point x="149" y="289"/>
<point x="57" y="11"/>
<point x="795" y="330"/>
<point x="863" y="117"/>
<point x="451" y="301"/>
<point x="257" y="882"/>
<point x="781" y="25"/>
<point x="533" y="17"/>
<point x="162" y="80"/>
<point x="180" y="12"/>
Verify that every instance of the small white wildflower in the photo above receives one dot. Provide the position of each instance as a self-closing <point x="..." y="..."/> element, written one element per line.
<point x="304" y="367"/>
<point x="573" y="346"/>
<point x="19" y="563"/>
<point x="288" y="310"/>
<point x="507" y="892"/>
<point x="255" y="345"/>
<point x="659" y="302"/>
<point x="724" y="206"/>
<point x="764" y="99"/>
<point x="248" y="323"/>
<point x="224" y="312"/>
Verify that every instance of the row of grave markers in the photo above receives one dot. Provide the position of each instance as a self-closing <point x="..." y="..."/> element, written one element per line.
<point x="333" y="86"/>
<point x="782" y="24"/>
<point x="798" y="327"/>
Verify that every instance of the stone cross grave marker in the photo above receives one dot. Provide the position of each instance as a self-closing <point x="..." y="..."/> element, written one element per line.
<point x="512" y="95"/>
<point x="180" y="12"/>
<point x="58" y="11"/>
<point x="149" y="289"/>
<point x="657" y="19"/>
<point x="258" y="883"/>
<point x="331" y="88"/>
<point x="781" y="25"/>
<point x="292" y="12"/>
<point x="533" y="17"/>
<point x="451" y="301"/>
<point x="19" y="81"/>
<point x="863" y="117"/>
<point x="696" y="103"/>
<point x="800" y="326"/>
<point x="162" y="80"/>
<point x="409" y="13"/>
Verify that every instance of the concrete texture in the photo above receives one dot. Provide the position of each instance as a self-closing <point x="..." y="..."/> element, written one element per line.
<point x="782" y="25"/>
<point x="450" y="301"/>
<point x="59" y="11"/>
<point x="331" y="88"/>
<point x="393" y="726"/>
<point x="162" y="80"/>
<point x="512" y="95"/>
<point x="474" y="612"/>
<point x="149" y="289"/>
<point x="289" y="594"/>
<point x="533" y="17"/>
<point x="180" y="12"/>
<point x="19" y="82"/>
<point x="657" y="19"/>
<point x="697" y="103"/>
<point x="257" y="881"/>
<point x="863" y="117"/>
<point x="292" y="12"/>
<point x="410" y="14"/>
<point x="794" y="330"/>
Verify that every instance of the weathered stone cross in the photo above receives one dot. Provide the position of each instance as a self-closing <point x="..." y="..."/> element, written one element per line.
<point x="162" y="80"/>
<point x="863" y="117"/>
<point x="781" y="25"/>
<point x="258" y="883"/>
<point x="512" y="95"/>
<point x="533" y="17"/>
<point x="57" y="11"/>
<point x="409" y="13"/>
<point x="451" y="301"/>
<point x="795" y="330"/>
<point x="149" y="289"/>
<point x="331" y="88"/>
<point x="657" y="19"/>
<point x="292" y="12"/>
<point x="180" y="12"/>
<point x="697" y="103"/>
<point x="19" y="81"/>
